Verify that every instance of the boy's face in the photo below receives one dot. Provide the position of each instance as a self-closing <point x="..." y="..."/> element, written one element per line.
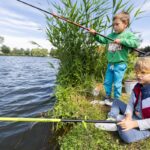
<point x="119" y="26"/>
<point x="143" y="77"/>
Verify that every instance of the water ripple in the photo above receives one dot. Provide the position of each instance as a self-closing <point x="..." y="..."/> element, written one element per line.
<point x="26" y="90"/>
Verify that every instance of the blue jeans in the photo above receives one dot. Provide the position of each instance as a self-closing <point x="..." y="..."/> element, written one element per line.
<point x="114" y="74"/>
<point x="117" y="111"/>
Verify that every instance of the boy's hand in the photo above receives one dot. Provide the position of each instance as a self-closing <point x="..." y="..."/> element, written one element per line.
<point x="117" y="41"/>
<point x="128" y="116"/>
<point x="128" y="124"/>
<point x="92" y="31"/>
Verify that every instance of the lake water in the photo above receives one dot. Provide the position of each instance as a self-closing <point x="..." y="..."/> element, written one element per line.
<point x="26" y="90"/>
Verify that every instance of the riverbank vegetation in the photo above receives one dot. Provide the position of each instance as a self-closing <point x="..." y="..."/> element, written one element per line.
<point x="72" y="103"/>
<point x="35" y="52"/>
<point x="82" y="65"/>
<point x="40" y="52"/>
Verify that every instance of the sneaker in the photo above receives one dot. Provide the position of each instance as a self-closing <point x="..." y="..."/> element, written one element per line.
<point x="111" y="119"/>
<point x="106" y="126"/>
<point x="108" y="101"/>
<point x="94" y="102"/>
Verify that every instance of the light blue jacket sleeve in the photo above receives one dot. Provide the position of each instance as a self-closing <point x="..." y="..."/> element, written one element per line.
<point x="130" y="105"/>
<point x="144" y="124"/>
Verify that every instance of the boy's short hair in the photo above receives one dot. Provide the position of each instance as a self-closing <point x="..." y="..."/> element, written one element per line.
<point x="123" y="16"/>
<point x="143" y="64"/>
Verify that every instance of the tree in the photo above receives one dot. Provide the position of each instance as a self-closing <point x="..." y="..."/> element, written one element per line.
<point x="27" y="52"/>
<point x="5" y="49"/>
<point x="54" y="53"/>
<point x="39" y="52"/>
<point x="18" y="52"/>
<point x="146" y="49"/>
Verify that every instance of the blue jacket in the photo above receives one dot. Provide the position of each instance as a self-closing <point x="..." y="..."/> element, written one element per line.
<point x="144" y="92"/>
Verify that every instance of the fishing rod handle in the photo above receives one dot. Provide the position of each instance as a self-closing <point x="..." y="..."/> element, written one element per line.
<point x="88" y="121"/>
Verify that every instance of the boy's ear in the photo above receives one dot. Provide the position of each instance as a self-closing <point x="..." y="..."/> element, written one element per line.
<point x="126" y="25"/>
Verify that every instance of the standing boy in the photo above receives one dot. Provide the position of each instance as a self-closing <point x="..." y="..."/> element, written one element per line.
<point x="117" y="54"/>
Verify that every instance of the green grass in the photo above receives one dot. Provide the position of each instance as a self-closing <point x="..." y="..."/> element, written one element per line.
<point x="86" y="137"/>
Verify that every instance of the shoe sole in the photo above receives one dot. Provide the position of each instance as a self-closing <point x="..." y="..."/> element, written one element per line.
<point x="106" y="126"/>
<point x="97" y="102"/>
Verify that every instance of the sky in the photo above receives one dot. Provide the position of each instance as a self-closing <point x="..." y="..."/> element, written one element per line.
<point x="21" y="24"/>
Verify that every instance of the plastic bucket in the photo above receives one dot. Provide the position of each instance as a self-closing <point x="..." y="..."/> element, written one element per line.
<point x="129" y="85"/>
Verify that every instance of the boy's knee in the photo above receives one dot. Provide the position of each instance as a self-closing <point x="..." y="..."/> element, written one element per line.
<point x="127" y="139"/>
<point x="107" y="82"/>
<point x="118" y="85"/>
<point x="125" y="136"/>
<point x="117" y="101"/>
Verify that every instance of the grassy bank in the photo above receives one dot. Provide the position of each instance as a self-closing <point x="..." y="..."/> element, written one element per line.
<point x="73" y="103"/>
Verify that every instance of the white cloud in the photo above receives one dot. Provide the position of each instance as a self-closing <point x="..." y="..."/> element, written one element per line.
<point x="21" y="24"/>
<point x="18" y="28"/>
<point x="145" y="35"/>
<point x="145" y="43"/>
<point x="8" y="13"/>
<point x="10" y="8"/>
<point x="13" y="19"/>
<point x="24" y="42"/>
<point x="146" y="6"/>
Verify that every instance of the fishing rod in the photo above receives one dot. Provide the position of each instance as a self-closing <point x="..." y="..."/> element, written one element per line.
<point x="74" y="23"/>
<point x="21" y="119"/>
<point x="63" y="18"/>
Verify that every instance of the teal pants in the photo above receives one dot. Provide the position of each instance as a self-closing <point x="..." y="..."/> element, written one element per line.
<point x="114" y="75"/>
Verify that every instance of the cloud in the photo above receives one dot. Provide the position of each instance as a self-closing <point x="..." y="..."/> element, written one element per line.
<point x="22" y="24"/>
<point x="12" y="7"/>
<point x="143" y="29"/>
<point x="9" y="13"/>
<point x="25" y="42"/>
<point x="145" y="43"/>
<point x="18" y="25"/>
<point x="11" y="19"/>
<point x="20" y="28"/>
<point x="146" y="7"/>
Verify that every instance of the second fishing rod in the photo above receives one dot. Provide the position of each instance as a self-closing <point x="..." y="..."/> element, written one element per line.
<point x="56" y="120"/>
<point x="76" y="24"/>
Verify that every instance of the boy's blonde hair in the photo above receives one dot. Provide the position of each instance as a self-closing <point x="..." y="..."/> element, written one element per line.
<point x="124" y="17"/>
<point x="143" y="65"/>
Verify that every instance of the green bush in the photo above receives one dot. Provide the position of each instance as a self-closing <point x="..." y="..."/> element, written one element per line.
<point x="5" y="49"/>
<point x="39" y="52"/>
<point x="80" y="63"/>
<point x="130" y="73"/>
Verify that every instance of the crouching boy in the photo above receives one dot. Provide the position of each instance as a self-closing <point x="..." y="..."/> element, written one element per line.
<point x="134" y="118"/>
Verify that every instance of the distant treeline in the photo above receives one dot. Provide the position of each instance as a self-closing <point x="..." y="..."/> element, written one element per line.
<point x="146" y="49"/>
<point x="41" y="52"/>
